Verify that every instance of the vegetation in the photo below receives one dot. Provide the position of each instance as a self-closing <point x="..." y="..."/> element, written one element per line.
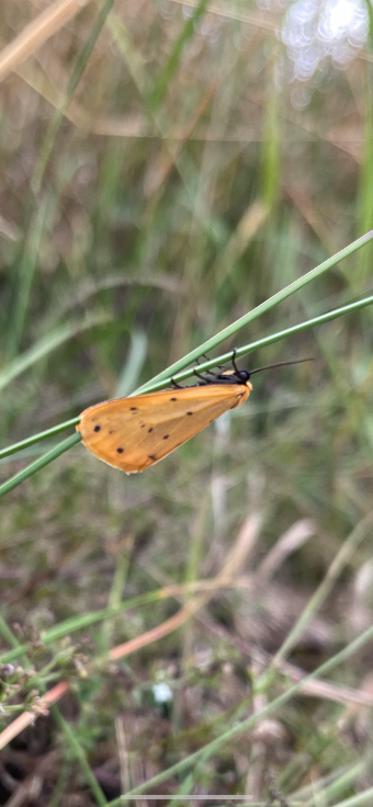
<point x="183" y="178"/>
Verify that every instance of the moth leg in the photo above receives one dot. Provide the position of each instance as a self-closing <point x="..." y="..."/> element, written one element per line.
<point x="219" y="366"/>
<point x="202" y="377"/>
<point x="205" y="356"/>
<point x="206" y="372"/>
<point x="175" y="384"/>
<point x="209" y="372"/>
<point x="236" y="369"/>
<point x="241" y="376"/>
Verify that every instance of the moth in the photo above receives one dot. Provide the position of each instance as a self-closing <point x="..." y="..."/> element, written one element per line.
<point x="134" y="433"/>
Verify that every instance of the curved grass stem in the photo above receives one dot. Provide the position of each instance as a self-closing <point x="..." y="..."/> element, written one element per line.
<point x="38" y="464"/>
<point x="263" y="308"/>
<point x="37" y="438"/>
<point x="155" y="384"/>
<point x="244" y="350"/>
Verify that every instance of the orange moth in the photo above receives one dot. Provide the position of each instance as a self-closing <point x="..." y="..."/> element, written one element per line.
<point x="134" y="433"/>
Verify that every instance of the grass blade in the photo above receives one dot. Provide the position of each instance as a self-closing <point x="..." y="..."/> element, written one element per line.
<point x="224" y="357"/>
<point x="250" y="722"/>
<point x="267" y="305"/>
<point x="38" y="464"/>
<point x="46" y="345"/>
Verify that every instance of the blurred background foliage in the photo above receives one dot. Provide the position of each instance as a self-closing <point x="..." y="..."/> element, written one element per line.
<point x="165" y="167"/>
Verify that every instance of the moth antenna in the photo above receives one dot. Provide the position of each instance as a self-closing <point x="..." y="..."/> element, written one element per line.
<point x="281" y="364"/>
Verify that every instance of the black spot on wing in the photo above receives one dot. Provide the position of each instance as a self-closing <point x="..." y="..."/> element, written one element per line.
<point x="120" y="450"/>
<point x="133" y="409"/>
<point x="97" y="428"/>
<point x="165" y="437"/>
<point x="152" y="457"/>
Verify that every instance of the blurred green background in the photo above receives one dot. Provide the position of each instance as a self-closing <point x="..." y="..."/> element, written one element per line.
<point x="166" y="166"/>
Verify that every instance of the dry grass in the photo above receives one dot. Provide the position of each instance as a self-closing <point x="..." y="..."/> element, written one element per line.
<point x="161" y="176"/>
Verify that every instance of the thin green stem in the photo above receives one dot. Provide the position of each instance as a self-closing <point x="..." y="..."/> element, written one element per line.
<point x="172" y="63"/>
<point x="44" y="346"/>
<point x="267" y="305"/>
<point x="38" y="464"/>
<point x="36" y="438"/>
<point x="25" y="275"/>
<point x="78" y="752"/>
<point x="224" y="357"/>
<point x="320" y="319"/>
<point x="250" y="722"/>
<point x="11" y="638"/>
<point x="359" y="799"/>
<point x="80" y="622"/>
<point x="347" y="550"/>
<point x="332" y="784"/>
<point x="74" y="80"/>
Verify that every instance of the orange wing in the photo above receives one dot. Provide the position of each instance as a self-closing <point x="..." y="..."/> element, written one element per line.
<point x="133" y="433"/>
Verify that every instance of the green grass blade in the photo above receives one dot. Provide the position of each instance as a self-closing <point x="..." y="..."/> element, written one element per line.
<point x="320" y="319"/>
<point x="25" y="275"/>
<point x="77" y="751"/>
<point x="224" y="357"/>
<point x="78" y="623"/>
<point x="131" y="370"/>
<point x="80" y="64"/>
<point x="46" y="345"/>
<point x="247" y="725"/>
<point x="37" y="438"/>
<point x="365" y="194"/>
<point x="346" y="552"/>
<point x="38" y="464"/>
<point x="171" y="65"/>
<point x="333" y="784"/>
<point x="267" y="305"/>
<point x="271" y="161"/>
<point x="358" y="800"/>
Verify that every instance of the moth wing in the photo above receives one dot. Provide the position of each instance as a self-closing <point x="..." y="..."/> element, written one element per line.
<point x="134" y="433"/>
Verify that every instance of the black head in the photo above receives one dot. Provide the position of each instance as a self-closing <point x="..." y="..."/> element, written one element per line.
<point x="242" y="375"/>
<point x="237" y="376"/>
